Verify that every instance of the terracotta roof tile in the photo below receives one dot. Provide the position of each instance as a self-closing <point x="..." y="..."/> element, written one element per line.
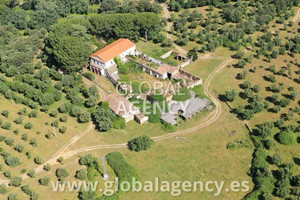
<point x="113" y="50"/>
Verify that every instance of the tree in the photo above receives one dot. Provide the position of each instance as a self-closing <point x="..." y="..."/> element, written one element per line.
<point x="81" y="174"/>
<point x="193" y="54"/>
<point x="231" y="95"/>
<point x="240" y="54"/>
<point x="31" y="173"/>
<point x="103" y="117"/>
<point x="61" y="173"/>
<point x="12" y="161"/>
<point x="287" y="138"/>
<point x="32" y="114"/>
<point x="284" y="102"/>
<point x="15" y="181"/>
<point x="84" y="117"/>
<point x="140" y="143"/>
<point x="256" y="88"/>
<point x="38" y="160"/>
<point x="69" y="52"/>
<point x="19" y="148"/>
<point x="47" y="167"/>
<point x="277" y="159"/>
<point x="109" y="6"/>
<point x="44" y="181"/>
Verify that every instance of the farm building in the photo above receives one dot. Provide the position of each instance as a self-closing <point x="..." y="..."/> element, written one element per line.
<point x="103" y="59"/>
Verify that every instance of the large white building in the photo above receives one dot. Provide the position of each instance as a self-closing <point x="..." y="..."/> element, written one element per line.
<point x="103" y="59"/>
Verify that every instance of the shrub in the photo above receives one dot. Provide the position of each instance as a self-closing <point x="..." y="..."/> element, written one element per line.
<point x="38" y="160"/>
<point x="119" y="123"/>
<point x="33" y="114"/>
<point x="47" y="167"/>
<point x="122" y="169"/>
<point x="7" y="174"/>
<point x="28" y="125"/>
<point x="9" y="141"/>
<point x="81" y="174"/>
<point x="140" y="143"/>
<point x="287" y="138"/>
<point x="63" y="118"/>
<point x="19" y="148"/>
<point x="23" y="111"/>
<point x="44" y="181"/>
<point x="62" y="129"/>
<point x="5" y="113"/>
<point x="25" y="137"/>
<point x="6" y="125"/>
<point x="169" y="127"/>
<point x="19" y="120"/>
<point x="33" y="142"/>
<point x="53" y="113"/>
<point x="31" y="173"/>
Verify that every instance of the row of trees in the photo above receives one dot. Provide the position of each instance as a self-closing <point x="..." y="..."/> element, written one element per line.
<point x="114" y="6"/>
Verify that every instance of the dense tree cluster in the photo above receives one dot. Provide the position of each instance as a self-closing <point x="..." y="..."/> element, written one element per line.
<point x="105" y="118"/>
<point x="132" y="26"/>
<point x="131" y="6"/>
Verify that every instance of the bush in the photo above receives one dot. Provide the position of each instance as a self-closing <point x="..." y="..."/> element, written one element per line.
<point x="287" y="138"/>
<point x="89" y="76"/>
<point x="25" y="137"/>
<point x="140" y="143"/>
<point x="19" y="148"/>
<point x="33" y="114"/>
<point x="31" y="173"/>
<point x="169" y="127"/>
<point x="28" y="125"/>
<point x="119" y="123"/>
<point x="7" y="174"/>
<point x="63" y="129"/>
<point x="47" y="167"/>
<point x="6" y="125"/>
<point x="63" y="118"/>
<point x="44" y="181"/>
<point x="9" y="141"/>
<point x="81" y="174"/>
<point x="38" y="160"/>
<point x="19" y="120"/>
<point x="5" y="113"/>
<point x="122" y="169"/>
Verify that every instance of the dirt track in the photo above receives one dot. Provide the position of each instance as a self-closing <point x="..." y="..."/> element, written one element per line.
<point x="211" y="118"/>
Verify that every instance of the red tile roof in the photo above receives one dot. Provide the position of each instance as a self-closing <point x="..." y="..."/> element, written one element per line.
<point x="113" y="50"/>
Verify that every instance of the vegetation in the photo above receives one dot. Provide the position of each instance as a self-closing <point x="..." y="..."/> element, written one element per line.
<point x="140" y="143"/>
<point x="122" y="169"/>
